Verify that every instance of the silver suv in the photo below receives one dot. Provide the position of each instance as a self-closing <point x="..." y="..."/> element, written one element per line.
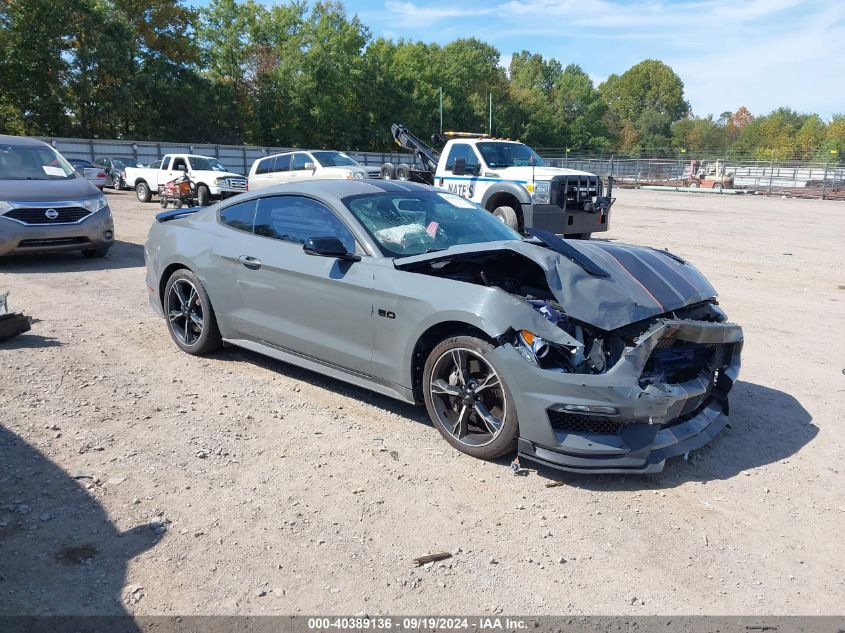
<point x="46" y="206"/>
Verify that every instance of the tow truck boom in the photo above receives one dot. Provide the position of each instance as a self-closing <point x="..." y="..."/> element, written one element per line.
<point x="426" y="154"/>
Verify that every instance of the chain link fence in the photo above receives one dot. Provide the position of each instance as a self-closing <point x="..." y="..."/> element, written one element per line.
<point x="792" y="178"/>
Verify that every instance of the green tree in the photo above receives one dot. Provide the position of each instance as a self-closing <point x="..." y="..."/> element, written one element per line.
<point x="649" y="97"/>
<point x="581" y="109"/>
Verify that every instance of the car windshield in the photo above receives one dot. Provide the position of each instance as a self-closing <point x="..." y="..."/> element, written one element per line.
<point x="415" y="222"/>
<point x="334" y="159"/>
<point x="498" y="155"/>
<point x="33" y="162"/>
<point x="198" y="163"/>
<point x="80" y="162"/>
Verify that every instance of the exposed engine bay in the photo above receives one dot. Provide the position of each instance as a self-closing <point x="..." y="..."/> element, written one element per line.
<point x="599" y="350"/>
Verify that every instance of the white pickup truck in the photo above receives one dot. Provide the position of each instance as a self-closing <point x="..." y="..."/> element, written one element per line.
<point x="212" y="180"/>
<point x="510" y="180"/>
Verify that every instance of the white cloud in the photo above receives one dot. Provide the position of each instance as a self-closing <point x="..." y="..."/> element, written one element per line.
<point x="759" y="53"/>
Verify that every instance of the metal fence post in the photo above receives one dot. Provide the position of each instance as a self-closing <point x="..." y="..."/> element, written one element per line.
<point x="771" y="174"/>
<point x="824" y="179"/>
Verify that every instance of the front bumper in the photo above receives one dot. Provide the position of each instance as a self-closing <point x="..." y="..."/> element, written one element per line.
<point x="89" y="233"/>
<point x="550" y="217"/>
<point x="653" y="422"/>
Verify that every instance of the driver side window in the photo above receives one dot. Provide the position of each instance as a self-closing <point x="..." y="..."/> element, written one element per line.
<point x="296" y="218"/>
<point x="465" y="151"/>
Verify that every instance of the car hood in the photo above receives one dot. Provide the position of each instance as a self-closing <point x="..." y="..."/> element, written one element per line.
<point x="47" y="190"/>
<point x="206" y="173"/>
<point x="537" y="173"/>
<point x="640" y="282"/>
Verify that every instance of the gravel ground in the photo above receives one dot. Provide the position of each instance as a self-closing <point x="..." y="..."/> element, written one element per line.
<point x="135" y="478"/>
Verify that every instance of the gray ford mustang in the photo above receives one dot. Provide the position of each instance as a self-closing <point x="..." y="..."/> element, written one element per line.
<point x="584" y="355"/>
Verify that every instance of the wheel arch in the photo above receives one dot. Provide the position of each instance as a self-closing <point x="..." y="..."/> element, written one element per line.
<point x="430" y="338"/>
<point x="165" y="277"/>
<point x="508" y="195"/>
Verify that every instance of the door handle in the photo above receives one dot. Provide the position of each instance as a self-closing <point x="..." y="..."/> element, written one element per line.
<point x="250" y="262"/>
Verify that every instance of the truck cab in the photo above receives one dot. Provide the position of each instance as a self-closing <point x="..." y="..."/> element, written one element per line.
<point x="512" y="181"/>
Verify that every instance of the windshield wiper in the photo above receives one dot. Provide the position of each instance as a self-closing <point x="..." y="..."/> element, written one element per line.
<point x="570" y="252"/>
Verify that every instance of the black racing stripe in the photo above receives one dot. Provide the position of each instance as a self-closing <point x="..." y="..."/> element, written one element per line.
<point x="669" y="270"/>
<point x="622" y="273"/>
<point x="663" y="291"/>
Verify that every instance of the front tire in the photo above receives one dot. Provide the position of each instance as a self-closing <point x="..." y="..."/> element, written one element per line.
<point x="190" y="317"/>
<point x="142" y="192"/>
<point x="203" y="195"/>
<point x="507" y="215"/>
<point x="467" y="398"/>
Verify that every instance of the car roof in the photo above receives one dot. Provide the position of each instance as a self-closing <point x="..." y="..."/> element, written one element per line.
<point x="21" y="140"/>
<point x="342" y="188"/>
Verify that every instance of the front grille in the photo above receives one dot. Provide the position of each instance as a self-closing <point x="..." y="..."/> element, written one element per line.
<point x="64" y="215"/>
<point x="574" y="192"/>
<point x="584" y="424"/>
<point x="673" y="361"/>
<point x="58" y="241"/>
<point x="374" y="173"/>
<point x="235" y="183"/>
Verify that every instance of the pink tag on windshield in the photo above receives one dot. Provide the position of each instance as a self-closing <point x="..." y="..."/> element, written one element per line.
<point x="431" y="229"/>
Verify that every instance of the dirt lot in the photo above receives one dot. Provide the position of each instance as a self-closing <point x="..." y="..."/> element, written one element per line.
<point x="134" y="477"/>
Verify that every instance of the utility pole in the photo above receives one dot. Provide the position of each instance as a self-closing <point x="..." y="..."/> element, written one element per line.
<point x="490" y="118"/>
<point x="441" y="109"/>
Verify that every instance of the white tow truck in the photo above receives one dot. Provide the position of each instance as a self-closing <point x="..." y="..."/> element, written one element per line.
<point x="211" y="179"/>
<point x="510" y="180"/>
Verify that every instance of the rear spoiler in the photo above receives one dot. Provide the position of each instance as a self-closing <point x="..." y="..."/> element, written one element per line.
<point x="166" y="216"/>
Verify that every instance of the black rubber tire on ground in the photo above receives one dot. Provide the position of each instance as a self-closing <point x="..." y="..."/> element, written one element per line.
<point x="163" y="203"/>
<point x="578" y="236"/>
<point x="142" y="192"/>
<point x="694" y="184"/>
<point x="203" y="195"/>
<point x="507" y="215"/>
<point x="209" y="339"/>
<point x="403" y="171"/>
<point x="505" y="441"/>
<point x="388" y="171"/>
<point x="97" y="253"/>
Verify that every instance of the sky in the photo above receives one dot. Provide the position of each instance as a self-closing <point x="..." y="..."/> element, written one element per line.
<point x="762" y="54"/>
<point x="759" y="53"/>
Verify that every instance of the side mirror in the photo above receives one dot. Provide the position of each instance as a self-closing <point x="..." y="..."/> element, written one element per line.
<point x="328" y="247"/>
<point x="183" y="168"/>
<point x="310" y="166"/>
<point x="460" y="167"/>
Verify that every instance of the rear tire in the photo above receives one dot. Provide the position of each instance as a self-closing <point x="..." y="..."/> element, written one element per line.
<point x="507" y="215"/>
<point x="142" y="192"/>
<point x="403" y="172"/>
<point x="190" y="317"/>
<point x="472" y="408"/>
<point x="388" y="172"/>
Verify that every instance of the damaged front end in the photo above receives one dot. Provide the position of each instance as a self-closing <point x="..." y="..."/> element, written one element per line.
<point x="615" y="368"/>
<point x="624" y="400"/>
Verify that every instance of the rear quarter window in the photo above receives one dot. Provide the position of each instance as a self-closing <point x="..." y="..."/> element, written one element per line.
<point x="240" y="216"/>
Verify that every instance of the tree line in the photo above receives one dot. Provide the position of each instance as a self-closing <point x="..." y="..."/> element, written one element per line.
<point x="310" y="74"/>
